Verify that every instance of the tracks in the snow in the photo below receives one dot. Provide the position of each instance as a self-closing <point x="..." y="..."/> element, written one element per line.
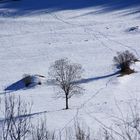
<point x="84" y="103"/>
<point x="96" y="35"/>
<point x="86" y="29"/>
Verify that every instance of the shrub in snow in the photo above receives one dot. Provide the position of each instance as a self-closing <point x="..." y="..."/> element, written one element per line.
<point x="135" y="28"/>
<point x="27" y="79"/>
<point x="32" y="80"/>
<point x="124" y="60"/>
<point x="65" y="74"/>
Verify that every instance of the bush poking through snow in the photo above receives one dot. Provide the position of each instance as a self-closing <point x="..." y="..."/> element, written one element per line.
<point x="124" y="60"/>
<point x="33" y="80"/>
<point x="65" y="74"/>
<point x="132" y="29"/>
<point x="27" y="79"/>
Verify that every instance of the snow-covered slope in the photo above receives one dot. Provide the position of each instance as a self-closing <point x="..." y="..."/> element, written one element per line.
<point x="32" y="37"/>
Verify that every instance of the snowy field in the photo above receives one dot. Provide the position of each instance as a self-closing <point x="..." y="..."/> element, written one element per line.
<point x="32" y="40"/>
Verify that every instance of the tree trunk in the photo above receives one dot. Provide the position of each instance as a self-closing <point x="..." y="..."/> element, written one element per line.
<point x="67" y="106"/>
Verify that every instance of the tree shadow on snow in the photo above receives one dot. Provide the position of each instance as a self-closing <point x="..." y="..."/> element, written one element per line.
<point x="17" y="86"/>
<point x="24" y="116"/>
<point x="87" y="80"/>
<point x="29" y="115"/>
<point x="23" y="7"/>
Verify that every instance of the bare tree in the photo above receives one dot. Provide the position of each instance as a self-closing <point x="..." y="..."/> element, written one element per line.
<point x="81" y="133"/>
<point x="65" y="74"/>
<point x="124" y="60"/>
<point x="16" y="124"/>
<point x="40" y="132"/>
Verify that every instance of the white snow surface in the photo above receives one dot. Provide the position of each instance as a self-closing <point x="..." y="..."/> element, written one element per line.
<point x="31" y="43"/>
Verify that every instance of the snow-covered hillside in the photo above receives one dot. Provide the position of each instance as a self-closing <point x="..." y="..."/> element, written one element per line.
<point x="34" y="34"/>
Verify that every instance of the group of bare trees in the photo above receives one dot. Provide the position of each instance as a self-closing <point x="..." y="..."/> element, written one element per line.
<point x="17" y="122"/>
